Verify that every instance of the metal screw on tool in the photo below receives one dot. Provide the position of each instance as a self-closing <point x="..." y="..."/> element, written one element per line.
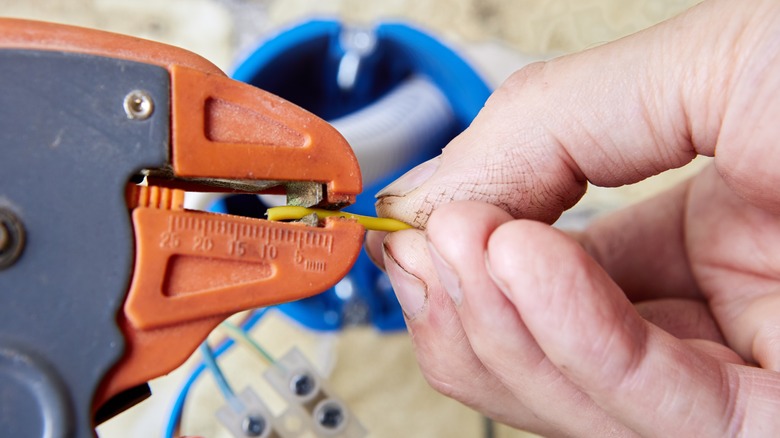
<point x="253" y="425"/>
<point x="11" y="238"/>
<point x="302" y="384"/>
<point x="330" y="415"/>
<point x="138" y="105"/>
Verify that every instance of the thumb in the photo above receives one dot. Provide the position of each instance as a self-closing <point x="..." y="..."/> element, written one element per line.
<point x="612" y="115"/>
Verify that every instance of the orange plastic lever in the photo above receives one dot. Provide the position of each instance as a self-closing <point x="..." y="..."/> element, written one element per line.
<point x="192" y="265"/>
<point x="193" y="269"/>
<point x="220" y="128"/>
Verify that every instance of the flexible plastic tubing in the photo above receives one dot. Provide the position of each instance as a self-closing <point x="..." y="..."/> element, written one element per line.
<point x="387" y="134"/>
<point x="178" y="405"/>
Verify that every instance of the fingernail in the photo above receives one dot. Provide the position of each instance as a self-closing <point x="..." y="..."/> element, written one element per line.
<point x="411" y="291"/>
<point x="373" y="246"/>
<point x="447" y="276"/>
<point x="411" y="179"/>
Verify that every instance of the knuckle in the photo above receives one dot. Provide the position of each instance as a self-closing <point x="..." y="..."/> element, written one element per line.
<point x="518" y="81"/>
<point x="444" y="370"/>
<point x="443" y="383"/>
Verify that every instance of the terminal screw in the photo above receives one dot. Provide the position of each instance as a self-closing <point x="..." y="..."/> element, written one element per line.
<point x="302" y="384"/>
<point x="253" y="425"/>
<point x="330" y="415"/>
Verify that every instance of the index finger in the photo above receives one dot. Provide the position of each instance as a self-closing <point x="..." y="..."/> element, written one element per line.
<point x="615" y="115"/>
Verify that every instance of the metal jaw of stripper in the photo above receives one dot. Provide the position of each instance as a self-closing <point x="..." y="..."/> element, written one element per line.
<point x="99" y="301"/>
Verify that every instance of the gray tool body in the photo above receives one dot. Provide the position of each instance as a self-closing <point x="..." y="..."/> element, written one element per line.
<point x="68" y="146"/>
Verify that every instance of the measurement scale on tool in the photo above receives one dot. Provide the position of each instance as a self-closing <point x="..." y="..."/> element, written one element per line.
<point x="190" y="256"/>
<point x="308" y="247"/>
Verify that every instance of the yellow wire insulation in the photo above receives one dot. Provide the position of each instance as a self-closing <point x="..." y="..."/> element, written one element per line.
<point x="370" y="223"/>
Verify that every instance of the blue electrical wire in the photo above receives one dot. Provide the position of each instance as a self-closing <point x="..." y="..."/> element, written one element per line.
<point x="224" y="387"/>
<point x="178" y="405"/>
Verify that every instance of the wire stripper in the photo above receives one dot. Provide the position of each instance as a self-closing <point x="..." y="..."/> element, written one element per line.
<point x="106" y="281"/>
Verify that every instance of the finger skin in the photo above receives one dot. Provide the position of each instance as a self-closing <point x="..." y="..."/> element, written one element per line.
<point x="445" y="356"/>
<point x="595" y="347"/>
<point x="716" y="350"/>
<point x="643" y="376"/>
<point x="643" y="247"/>
<point x="681" y="318"/>
<point x="617" y="114"/>
<point x="458" y="236"/>
<point x="614" y="115"/>
<point x="747" y="154"/>
<point x="735" y="247"/>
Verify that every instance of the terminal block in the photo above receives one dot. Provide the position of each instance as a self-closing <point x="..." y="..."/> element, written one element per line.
<point x="311" y="405"/>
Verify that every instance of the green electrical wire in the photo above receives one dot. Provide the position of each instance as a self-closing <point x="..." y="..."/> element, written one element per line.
<point x="243" y="338"/>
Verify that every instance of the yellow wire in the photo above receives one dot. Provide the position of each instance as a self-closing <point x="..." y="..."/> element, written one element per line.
<point x="371" y="223"/>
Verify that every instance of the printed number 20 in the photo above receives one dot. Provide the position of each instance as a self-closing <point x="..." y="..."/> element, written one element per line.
<point x="203" y="243"/>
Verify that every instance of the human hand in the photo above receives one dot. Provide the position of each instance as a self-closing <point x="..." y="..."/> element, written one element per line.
<point x="660" y="320"/>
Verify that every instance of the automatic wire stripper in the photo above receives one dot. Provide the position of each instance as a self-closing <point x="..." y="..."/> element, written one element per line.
<point x="105" y="280"/>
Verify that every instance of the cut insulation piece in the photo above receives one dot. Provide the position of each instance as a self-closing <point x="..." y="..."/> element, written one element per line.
<point x="371" y="223"/>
